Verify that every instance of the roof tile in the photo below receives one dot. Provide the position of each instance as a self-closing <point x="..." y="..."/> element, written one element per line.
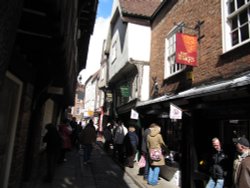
<point x="139" y="7"/>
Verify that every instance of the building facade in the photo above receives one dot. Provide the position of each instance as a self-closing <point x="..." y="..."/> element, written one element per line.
<point x="128" y="50"/>
<point x="78" y="108"/>
<point x="43" y="47"/>
<point x="213" y="95"/>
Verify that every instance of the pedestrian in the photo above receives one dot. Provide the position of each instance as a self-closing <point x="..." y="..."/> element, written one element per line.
<point x="217" y="163"/>
<point x="87" y="138"/>
<point x="131" y="142"/>
<point x="145" y="153"/>
<point x="53" y="147"/>
<point x="120" y="133"/>
<point x="108" y="140"/>
<point x="241" y="165"/>
<point x="74" y="127"/>
<point x="65" y="132"/>
<point x="78" y="130"/>
<point x="156" y="146"/>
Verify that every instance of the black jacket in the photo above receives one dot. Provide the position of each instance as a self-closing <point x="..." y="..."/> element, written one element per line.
<point x="218" y="163"/>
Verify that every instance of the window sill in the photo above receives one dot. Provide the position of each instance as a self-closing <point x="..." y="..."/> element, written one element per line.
<point x="176" y="73"/>
<point x="239" y="51"/>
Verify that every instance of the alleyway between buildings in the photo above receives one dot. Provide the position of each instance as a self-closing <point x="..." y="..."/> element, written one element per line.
<point x="101" y="172"/>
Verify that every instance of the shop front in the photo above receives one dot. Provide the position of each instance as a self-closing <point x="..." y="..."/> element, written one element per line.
<point x="217" y="110"/>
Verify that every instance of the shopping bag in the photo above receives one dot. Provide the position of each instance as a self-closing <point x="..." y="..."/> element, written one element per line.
<point x="142" y="162"/>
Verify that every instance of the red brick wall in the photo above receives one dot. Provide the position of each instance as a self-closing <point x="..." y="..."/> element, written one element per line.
<point x="212" y="65"/>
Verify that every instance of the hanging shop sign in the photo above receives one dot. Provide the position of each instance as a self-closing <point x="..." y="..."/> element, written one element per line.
<point x="186" y="49"/>
<point x="175" y="112"/>
<point x="134" y="114"/>
<point x="124" y="90"/>
<point x="109" y="96"/>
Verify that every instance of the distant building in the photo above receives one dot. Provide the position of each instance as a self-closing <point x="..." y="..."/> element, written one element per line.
<point x="78" y="109"/>
<point x="126" y="57"/>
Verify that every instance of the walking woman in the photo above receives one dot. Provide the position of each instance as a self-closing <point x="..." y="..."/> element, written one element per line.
<point x="155" y="146"/>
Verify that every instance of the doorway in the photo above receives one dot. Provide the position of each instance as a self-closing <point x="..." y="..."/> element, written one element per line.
<point x="10" y="97"/>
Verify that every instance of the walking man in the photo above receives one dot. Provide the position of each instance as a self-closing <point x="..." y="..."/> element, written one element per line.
<point x="87" y="138"/>
<point x="120" y="133"/>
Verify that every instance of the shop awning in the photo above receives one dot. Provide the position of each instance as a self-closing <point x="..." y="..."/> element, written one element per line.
<point x="203" y="90"/>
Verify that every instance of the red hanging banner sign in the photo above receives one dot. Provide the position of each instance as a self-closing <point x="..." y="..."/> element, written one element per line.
<point x="186" y="49"/>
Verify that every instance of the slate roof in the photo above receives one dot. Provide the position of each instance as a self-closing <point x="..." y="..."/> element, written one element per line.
<point x="139" y="7"/>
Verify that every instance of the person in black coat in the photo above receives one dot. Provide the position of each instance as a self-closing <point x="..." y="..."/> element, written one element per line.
<point x="145" y="153"/>
<point x="131" y="143"/>
<point x="217" y="165"/>
<point x="53" y="147"/>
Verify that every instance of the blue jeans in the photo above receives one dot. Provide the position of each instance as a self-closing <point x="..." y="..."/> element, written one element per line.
<point x="215" y="183"/>
<point x="87" y="149"/>
<point x="153" y="175"/>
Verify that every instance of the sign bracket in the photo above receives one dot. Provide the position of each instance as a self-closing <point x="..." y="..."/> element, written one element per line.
<point x="196" y="28"/>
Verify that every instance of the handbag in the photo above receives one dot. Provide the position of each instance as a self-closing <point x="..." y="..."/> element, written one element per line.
<point x="155" y="154"/>
<point x="142" y="162"/>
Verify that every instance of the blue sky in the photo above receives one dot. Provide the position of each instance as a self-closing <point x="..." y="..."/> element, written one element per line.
<point x="96" y="41"/>
<point x="104" y="8"/>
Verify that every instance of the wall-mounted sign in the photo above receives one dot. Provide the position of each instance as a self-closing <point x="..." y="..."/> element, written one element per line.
<point x="186" y="49"/>
<point x="109" y="96"/>
<point x="134" y="114"/>
<point x="124" y="90"/>
<point x="175" y="112"/>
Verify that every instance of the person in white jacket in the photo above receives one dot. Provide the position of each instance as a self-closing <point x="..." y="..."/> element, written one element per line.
<point x="119" y="136"/>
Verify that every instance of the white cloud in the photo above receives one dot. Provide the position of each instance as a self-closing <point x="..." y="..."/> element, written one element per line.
<point x="95" y="48"/>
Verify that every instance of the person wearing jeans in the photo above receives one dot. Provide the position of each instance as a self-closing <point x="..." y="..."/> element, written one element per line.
<point x="153" y="175"/>
<point x="155" y="142"/>
<point x="217" y="164"/>
<point x="87" y="138"/>
<point x="215" y="183"/>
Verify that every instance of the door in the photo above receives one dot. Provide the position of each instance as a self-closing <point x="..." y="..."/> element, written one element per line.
<point x="10" y="95"/>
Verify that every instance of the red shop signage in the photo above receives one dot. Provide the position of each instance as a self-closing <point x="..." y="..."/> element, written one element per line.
<point x="186" y="49"/>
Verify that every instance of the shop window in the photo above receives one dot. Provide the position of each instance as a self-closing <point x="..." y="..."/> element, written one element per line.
<point x="172" y="132"/>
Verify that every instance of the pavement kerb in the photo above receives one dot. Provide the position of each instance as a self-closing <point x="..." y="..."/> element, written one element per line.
<point x="137" y="182"/>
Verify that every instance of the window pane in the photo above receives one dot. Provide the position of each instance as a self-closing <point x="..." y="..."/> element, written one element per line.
<point x="170" y="65"/>
<point x="243" y="17"/>
<point x="235" y="38"/>
<point x="234" y="23"/>
<point x="240" y="3"/>
<point x="244" y="31"/>
<point x="171" y="41"/>
<point x="231" y="7"/>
